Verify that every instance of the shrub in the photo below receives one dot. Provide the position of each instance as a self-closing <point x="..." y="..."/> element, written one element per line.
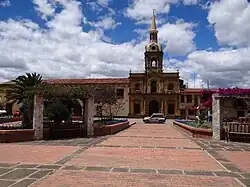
<point x="57" y="112"/>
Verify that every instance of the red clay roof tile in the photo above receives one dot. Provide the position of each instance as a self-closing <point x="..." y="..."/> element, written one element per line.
<point x="87" y="81"/>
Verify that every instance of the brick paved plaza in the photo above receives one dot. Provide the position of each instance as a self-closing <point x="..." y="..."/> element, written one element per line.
<point x="143" y="155"/>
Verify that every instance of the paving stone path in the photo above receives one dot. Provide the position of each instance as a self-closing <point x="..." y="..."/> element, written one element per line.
<point x="143" y="155"/>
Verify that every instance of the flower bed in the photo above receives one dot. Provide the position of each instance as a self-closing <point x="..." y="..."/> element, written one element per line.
<point x="111" y="128"/>
<point x="18" y="135"/>
<point x="195" y="132"/>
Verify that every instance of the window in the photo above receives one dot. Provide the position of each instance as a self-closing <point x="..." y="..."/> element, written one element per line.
<point x="196" y="103"/>
<point x="137" y="108"/>
<point x="191" y="112"/>
<point x="170" y="86"/>
<point x="157" y="116"/>
<point x="171" y="109"/>
<point x="182" y="99"/>
<point x="137" y="87"/>
<point x="153" y="87"/>
<point x="240" y="113"/>
<point x="189" y="98"/>
<point x="153" y="62"/>
<point x="120" y="93"/>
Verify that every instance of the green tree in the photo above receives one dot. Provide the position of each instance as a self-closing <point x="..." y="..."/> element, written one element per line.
<point x="57" y="112"/>
<point x="105" y="96"/>
<point x="22" y="91"/>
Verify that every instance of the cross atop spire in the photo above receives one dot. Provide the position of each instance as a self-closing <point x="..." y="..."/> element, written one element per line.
<point x="153" y="25"/>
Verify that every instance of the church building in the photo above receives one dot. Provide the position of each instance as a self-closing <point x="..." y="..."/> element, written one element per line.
<point x="153" y="90"/>
<point x="142" y="94"/>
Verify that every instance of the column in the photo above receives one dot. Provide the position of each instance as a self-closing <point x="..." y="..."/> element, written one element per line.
<point x="141" y="107"/>
<point x="217" y="118"/>
<point x="185" y="99"/>
<point x="144" y="107"/>
<point x="38" y="117"/>
<point x="177" y="106"/>
<point x="162" y="106"/>
<point x="166" y="108"/>
<point x="89" y="116"/>
<point x="186" y="112"/>
<point x="131" y="107"/>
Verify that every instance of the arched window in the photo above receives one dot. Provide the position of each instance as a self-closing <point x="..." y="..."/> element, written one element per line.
<point x="153" y="62"/>
<point x="170" y="86"/>
<point x="153" y="86"/>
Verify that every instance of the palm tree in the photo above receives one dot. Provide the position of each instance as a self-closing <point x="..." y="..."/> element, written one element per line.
<point x="22" y="91"/>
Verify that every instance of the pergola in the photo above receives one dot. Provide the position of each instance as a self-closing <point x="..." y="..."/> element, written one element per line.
<point x="84" y="93"/>
<point x="218" y="98"/>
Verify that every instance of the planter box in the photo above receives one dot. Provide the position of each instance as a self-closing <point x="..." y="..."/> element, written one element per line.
<point x="110" y="129"/>
<point x="195" y="132"/>
<point x="8" y="136"/>
<point x="7" y="120"/>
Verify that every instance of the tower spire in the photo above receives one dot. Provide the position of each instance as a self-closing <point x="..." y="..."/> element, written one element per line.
<point x="153" y="25"/>
<point x="153" y="31"/>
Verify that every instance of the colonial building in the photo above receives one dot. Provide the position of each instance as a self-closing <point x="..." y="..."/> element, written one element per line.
<point x="151" y="91"/>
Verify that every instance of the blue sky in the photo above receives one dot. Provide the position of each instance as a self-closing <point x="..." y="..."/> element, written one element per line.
<point x="106" y="38"/>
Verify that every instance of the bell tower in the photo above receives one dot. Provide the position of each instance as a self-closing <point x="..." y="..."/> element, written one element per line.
<point x="153" y="51"/>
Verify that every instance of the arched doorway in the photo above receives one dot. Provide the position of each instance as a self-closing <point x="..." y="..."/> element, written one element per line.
<point x="77" y="110"/>
<point x="153" y="107"/>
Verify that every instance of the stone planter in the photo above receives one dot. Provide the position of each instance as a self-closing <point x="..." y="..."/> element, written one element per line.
<point x="110" y="129"/>
<point x="195" y="132"/>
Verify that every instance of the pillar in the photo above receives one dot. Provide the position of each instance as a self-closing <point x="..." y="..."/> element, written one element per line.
<point x="144" y="107"/>
<point x="162" y="106"/>
<point x="38" y="117"/>
<point x="89" y="116"/>
<point x="166" y="108"/>
<point x="141" y="107"/>
<point x="217" y="117"/>
<point x="132" y="107"/>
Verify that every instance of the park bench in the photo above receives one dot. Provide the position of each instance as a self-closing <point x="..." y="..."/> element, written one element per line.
<point x="237" y="131"/>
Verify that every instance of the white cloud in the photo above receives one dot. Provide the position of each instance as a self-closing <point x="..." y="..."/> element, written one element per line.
<point x="142" y="9"/>
<point x="226" y="68"/>
<point x="44" y="7"/>
<point x="179" y="37"/>
<point x="5" y="3"/>
<point x="63" y="49"/>
<point x="104" y="2"/>
<point x="100" y="5"/>
<point x="230" y="19"/>
<point x="190" y="2"/>
<point x="106" y="23"/>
